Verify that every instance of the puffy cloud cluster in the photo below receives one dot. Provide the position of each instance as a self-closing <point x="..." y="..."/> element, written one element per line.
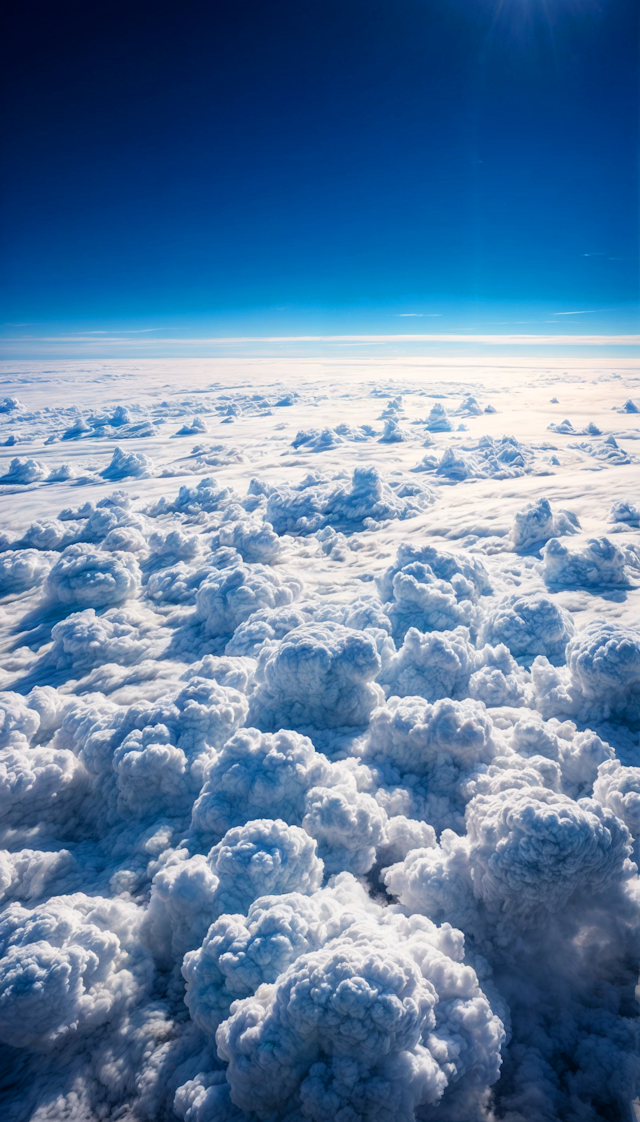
<point x="431" y="750"/>
<point x="599" y="562"/>
<point x="128" y="465"/>
<point x="230" y="595"/>
<point x="601" y="679"/>
<point x="68" y="967"/>
<point x="431" y="590"/>
<point x="359" y="503"/>
<point x="170" y="546"/>
<point x="150" y="758"/>
<point x="84" y="640"/>
<point x="438" y="420"/>
<point x="48" y="534"/>
<point x="196" y="427"/>
<point x="83" y="577"/>
<point x="618" y="788"/>
<point x="607" y="450"/>
<point x="206" y="497"/>
<point x="537" y="523"/>
<point x="529" y="625"/>
<point x="487" y="458"/>
<point x="256" y="773"/>
<point x="577" y="754"/>
<point x="320" y="675"/>
<point x="22" y="569"/>
<point x="239" y="953"/>
<point x="320" y="440"/>
<point x="176" y="584"/>
<point x="530" y="851"/>
<point x="41" y="786"/>
<point x="265" y="856"/>
<point x="10" y="405"/>
<point x="281" y="774"/>
<point x="625" y="513"/>
<point x="445" y="664"/>
<point x="24" y="470"/>
<point x="604" y="662"/>
<point x="392" y="433"/>
<point x="216" y="455"/>
<point x="526" y="853"/>
<point x="471" y="407"/>
<point x="253" y="539"/>
<point x="265" y="624"/>
<point x="379" y="1021"/>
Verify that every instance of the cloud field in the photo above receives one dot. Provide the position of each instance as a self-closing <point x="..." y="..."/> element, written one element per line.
<point x="319" y="742"/>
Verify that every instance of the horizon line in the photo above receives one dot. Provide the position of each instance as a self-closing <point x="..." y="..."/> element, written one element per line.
<point x="225" y="340"/>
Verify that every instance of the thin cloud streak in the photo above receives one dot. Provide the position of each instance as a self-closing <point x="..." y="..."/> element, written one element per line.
<point x="231" y="340"/>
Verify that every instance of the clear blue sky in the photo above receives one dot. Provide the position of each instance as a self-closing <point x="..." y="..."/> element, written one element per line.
<point x="207" y="159"/>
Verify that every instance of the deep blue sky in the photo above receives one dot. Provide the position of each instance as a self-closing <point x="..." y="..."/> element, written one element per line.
<point x="209" y="158"/>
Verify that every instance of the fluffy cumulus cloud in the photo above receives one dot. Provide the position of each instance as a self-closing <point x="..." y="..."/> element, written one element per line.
<point x="378" y="1022"/>
<point x="598" y="563"/>
<point x="176" y="584"/>
<point x="319" y="796"/>
<point x="578" y="754"/>
<point x="504" y="458"/>
<point x="256" y="773"/>
<point x="231" y="595"/>
<point x="84" y="640"/>
<point x="526" y="853"/>
<point x="319" y="675"/>
<point x="49" y="534"/>
<point x="206" y="497"/>
<point x="170" y="546"/>
<point x="435" y="665"/>
<point x="445" y="664"/>
<point x="429" y="751"/>
<point x="438" y="421"/>
<point x="149" y="758"/>
<point x="625" y="513"/>
<point x="315" y="440"/>
<point x="618" y="788"/>
<point x="86" y="578"/>
<point x="281" y="773"/>
<point x="67" y="967"/>
<point x="41" y="786"/>
<point x="264" y="624"/>
<point x="127" y="465"/>
<point x="348" y="825"/>
<point x="601" y="679"/>
<point x="531" y="850"/>
<point x="348" y="505"/>
<point x="529" y="625"/>
<point x="189" y="893"/>
<point x="24" y="470"/>
<point x="254" y="540"/>
<point x="239" y="952"/>
<point x="22" y="569"/>
<point x="537" y="523"/>
<point x="604" y="663"/>
<point x="431" y="590"/>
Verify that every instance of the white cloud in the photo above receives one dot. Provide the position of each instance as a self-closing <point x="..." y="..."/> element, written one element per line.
<point x="325" y="804"/>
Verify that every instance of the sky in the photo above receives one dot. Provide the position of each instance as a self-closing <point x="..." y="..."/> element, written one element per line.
<point x="328" y="167"/>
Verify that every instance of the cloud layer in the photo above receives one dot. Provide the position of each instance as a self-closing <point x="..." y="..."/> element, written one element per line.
<point x="320" y="772"/>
